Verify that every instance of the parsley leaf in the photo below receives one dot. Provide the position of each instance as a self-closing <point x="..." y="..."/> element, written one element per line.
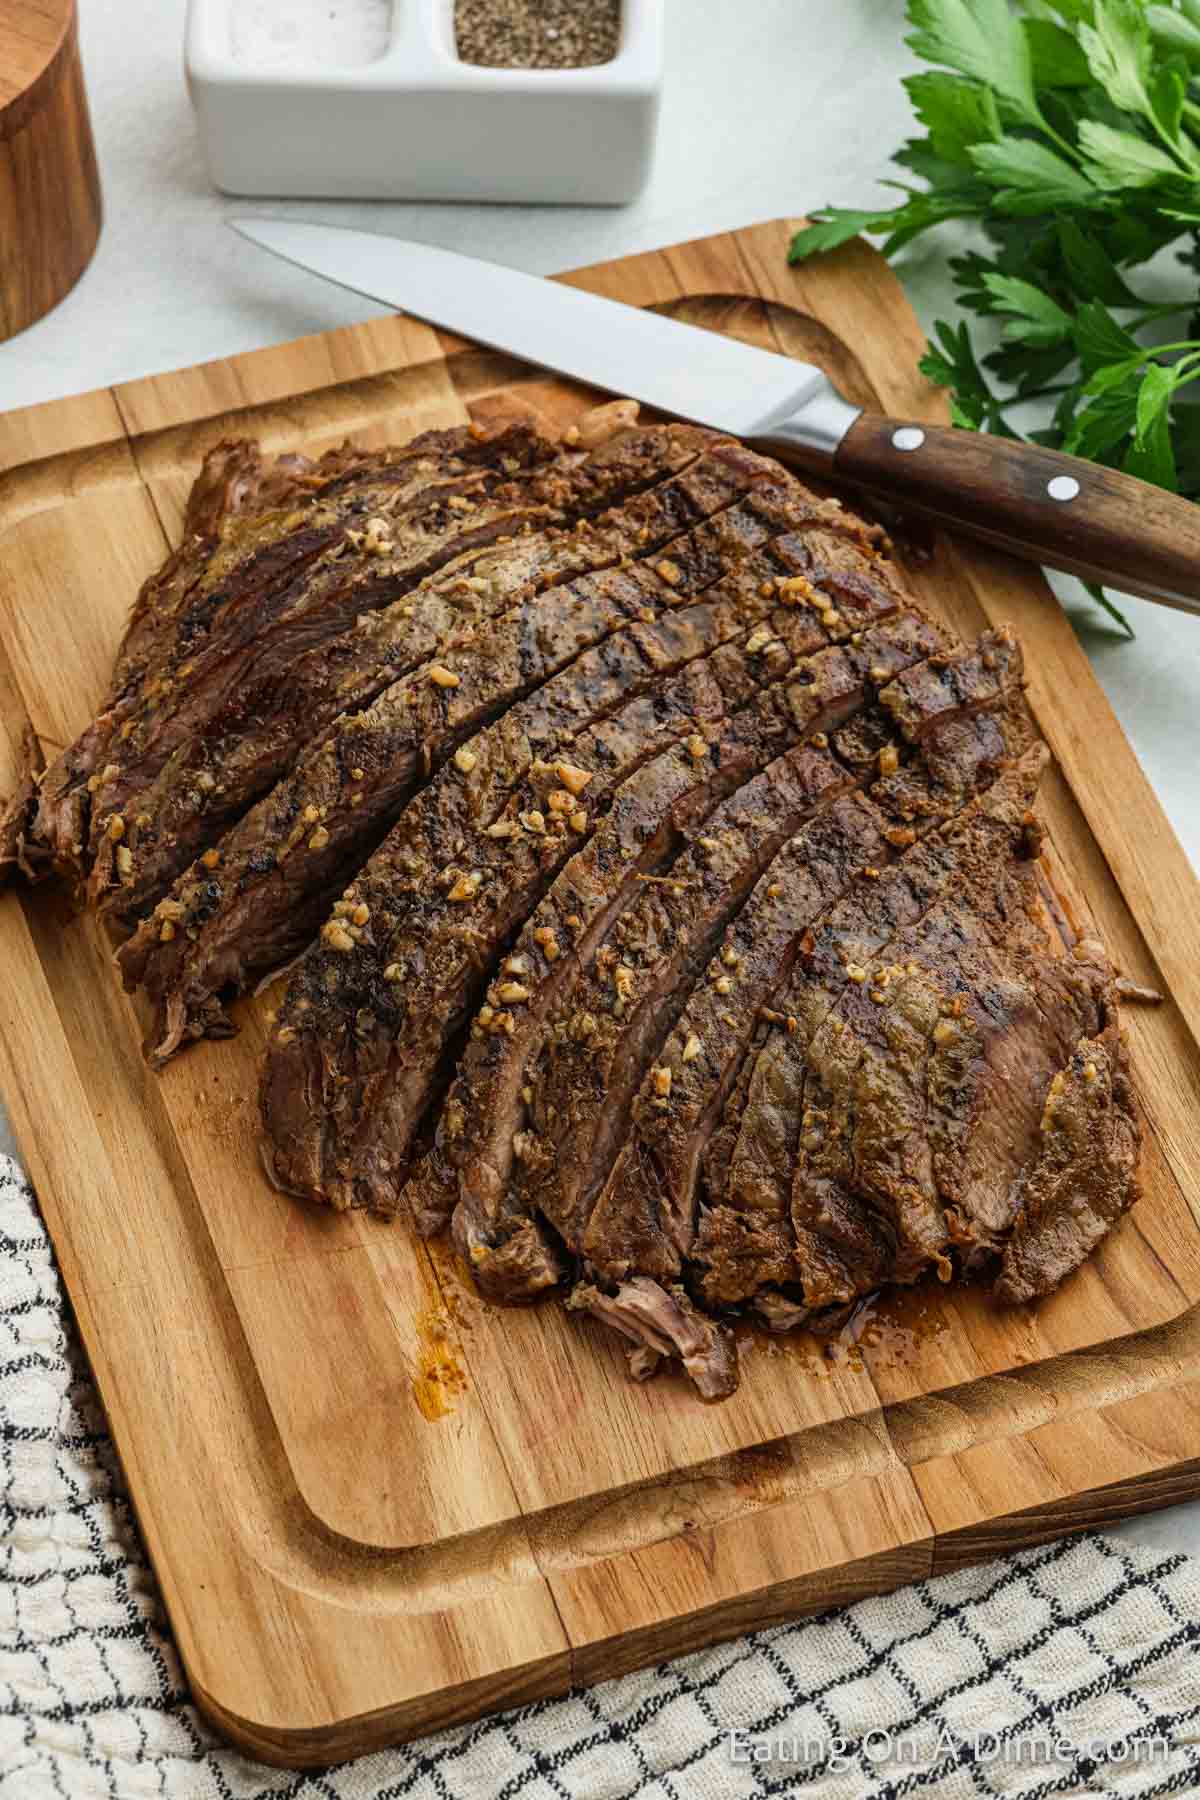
<point x="1121" y="159"/>
<point x="1031" y="177"/>
<point x="1117" y="48"/>
<point x="956" y="113"/>
<point x="1106" y="422"/>
<point x="1058" y="60"/>
<point x="832" y="226"/>
<point x="1070" y="131"/>
<point x="1099" y="339"/>
<point x="1175" y="30"/>
<point x="1105" y="604"/>
<point x="1089" y="266"/>
<point x="1033" y="317"/>
<point x="1151" y="455"/>
<point x="979" y="38"/>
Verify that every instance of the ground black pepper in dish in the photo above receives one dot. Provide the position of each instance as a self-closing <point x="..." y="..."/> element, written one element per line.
<point x="537" y="34"/>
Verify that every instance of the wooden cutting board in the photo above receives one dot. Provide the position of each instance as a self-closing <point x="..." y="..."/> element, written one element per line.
<point x="375" y="1505"/>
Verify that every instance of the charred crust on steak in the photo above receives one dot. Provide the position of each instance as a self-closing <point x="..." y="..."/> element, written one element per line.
<point x="660" y="889"/>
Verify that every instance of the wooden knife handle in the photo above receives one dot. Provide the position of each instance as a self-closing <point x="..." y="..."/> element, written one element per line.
<point x="1039" y="504"/>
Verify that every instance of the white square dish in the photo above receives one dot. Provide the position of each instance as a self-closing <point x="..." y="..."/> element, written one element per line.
<point x="417" y="123"/>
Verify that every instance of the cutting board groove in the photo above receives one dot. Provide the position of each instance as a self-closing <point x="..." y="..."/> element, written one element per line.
<point x="374" y="1504"/>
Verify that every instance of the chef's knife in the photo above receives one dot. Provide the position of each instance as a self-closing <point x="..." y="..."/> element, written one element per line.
<point x="1036" y="503"/>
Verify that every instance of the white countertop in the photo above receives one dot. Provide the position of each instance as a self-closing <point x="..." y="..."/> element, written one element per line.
<point x="770" y="106"/>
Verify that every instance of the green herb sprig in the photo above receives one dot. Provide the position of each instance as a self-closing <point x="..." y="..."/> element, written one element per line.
<point x="1070" y="131"/>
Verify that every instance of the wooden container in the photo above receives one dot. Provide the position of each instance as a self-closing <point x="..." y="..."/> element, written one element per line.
<point x="49" y="184"/>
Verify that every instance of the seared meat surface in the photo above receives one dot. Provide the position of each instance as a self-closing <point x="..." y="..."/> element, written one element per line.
<point x="659" y="885"/>
<point x="477" y="666"/>
<point x="272" y="583"/>
<point x="19" y="849"/>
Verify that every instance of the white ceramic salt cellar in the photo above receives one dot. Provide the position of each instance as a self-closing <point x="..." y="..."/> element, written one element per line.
<point x="418" y="123"/>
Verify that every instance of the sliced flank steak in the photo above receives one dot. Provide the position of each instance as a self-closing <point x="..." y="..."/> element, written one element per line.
<point x="18" y="851"/>
<point x="657" y="887"/>
<point x="253" y="901"/>
<point x="505" y="879"/>
<point x="645" y="1214"/>
<point x="1084" y="1176"/>
<point x="467" y="860"/>
<point x="639" y="1195"/>
<point x="256" y="584"/>
<point x="754" y="1244"/>
<point x="236" y="484"/>
<point x="927" y="1079"/>
<point x="244" y="672"/>
<point x="601" y="1011"/>
<point x="219" y="769"/>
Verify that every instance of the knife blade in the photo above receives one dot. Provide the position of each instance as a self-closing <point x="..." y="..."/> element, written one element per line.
<point x="635" y="353"/>
<point x="1039" y="504"/>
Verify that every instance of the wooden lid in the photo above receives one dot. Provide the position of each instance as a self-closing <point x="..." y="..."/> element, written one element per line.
<point x="35" y="39"/>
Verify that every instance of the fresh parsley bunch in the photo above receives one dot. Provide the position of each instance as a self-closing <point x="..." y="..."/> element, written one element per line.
<point x="1070" y="130"/>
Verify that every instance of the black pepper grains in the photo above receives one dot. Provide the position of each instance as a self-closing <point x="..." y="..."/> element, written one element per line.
<point x="537" y="34"/>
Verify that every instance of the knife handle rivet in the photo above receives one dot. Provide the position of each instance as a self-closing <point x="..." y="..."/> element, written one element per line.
<point x="1062" y="487"/>
<point x="908" y="437"/>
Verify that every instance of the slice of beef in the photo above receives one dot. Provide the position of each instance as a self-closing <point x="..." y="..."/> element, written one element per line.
<point x="241" y="500"/>
<point x="823" y="1206"/>
<point x="261" y="571"/>
<point x="989" y="1074"/>
<point x="865" y="1135"/>
<point x="932" y="1070"/>
<point x="367" y="1016"/>
<point x="920" y="698"/>
<point x="889" y="1191"/>
<point x="841" y="1246"/>
<point x="584" y="1085"/>
<point x="456" y="877"/>
<point x="499" y="625"/>
<point x="650" y="1196"/>
<point x="242" y="508"/>
<point x="1084" y="1175"/>
<point x="63" y="821"/>
<point x="250" y="662"/>
<point x="281" y="865"/>
<point x="483" y="1114"/>
<point x="650" y="814"/>
<point x="748" y="1235"/>
<point x="230" y="478"/>
<point x="662" y="1322"/>
<point x="234" y="481"/>
<point x="214" y="776"/>
<point x="17" y="849"/>
<point x="956" y="759"/>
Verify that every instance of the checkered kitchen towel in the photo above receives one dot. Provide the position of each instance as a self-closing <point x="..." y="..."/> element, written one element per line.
<point x="1069" y="1670"/>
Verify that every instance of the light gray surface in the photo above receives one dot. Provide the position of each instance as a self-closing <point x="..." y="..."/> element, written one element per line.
<point x="770" y="107"/>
